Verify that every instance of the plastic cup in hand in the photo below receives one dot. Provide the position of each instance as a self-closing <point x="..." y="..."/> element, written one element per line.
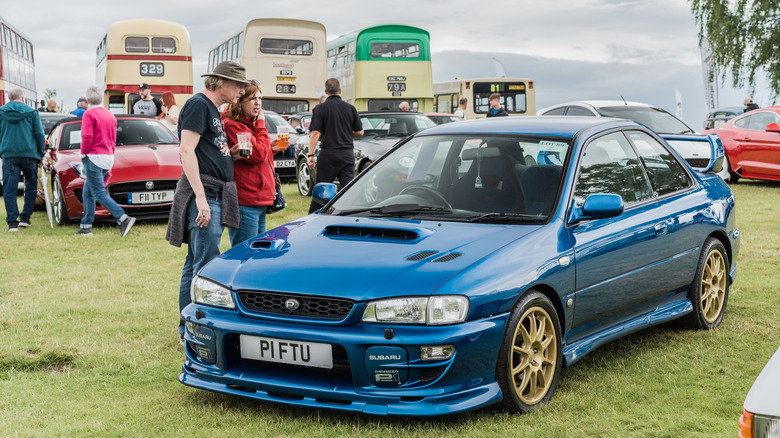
<point x="244" y="143"/>
<point x="283" y="136"/>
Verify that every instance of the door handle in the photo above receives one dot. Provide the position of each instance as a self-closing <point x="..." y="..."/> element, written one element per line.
<point x="743" y="139"/>
<point x="660" y="228"/>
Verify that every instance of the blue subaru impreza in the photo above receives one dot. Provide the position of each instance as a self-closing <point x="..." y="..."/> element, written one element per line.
<point x="465" y="268"/>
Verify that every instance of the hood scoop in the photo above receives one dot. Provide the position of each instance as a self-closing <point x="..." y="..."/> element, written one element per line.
<point x="271" y="245"/>
<point x="398" y="235"/>
<point x="447" y="257"/>
<point x="420" y="256"/>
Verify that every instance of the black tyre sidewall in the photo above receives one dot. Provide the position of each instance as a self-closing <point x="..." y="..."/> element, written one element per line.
<point x="511" y="402"/>
<point x="696" y="318"/>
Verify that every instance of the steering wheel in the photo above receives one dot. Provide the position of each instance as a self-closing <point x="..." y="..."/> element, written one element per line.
<point x="426" y="190"/>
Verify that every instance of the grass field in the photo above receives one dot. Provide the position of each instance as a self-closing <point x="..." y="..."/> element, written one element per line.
<point x="90" y="348"/>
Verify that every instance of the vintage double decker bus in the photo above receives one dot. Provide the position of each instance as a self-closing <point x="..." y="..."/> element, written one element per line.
<point x="155" y="52"/>
<point x="287" y="58"/>
<point x="379" y="67"/>
<point x="17" y="64"/>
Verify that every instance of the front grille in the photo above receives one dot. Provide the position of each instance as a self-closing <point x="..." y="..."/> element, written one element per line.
<point x="119" y="191"/>
<point x="698" y="162"/>
<point x="310" y="307"/>
<point x="430" y="374"/>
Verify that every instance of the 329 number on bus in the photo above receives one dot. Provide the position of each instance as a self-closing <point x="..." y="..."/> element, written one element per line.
<point x="152" y="69"/>
<point x="396" y="86"/>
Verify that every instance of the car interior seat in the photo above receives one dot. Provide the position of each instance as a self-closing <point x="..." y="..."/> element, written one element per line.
<point x="540" y="184"/>
<point x="499" y="190"/>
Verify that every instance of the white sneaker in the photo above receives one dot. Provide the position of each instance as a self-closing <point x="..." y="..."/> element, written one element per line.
<point x="24" y="224"/>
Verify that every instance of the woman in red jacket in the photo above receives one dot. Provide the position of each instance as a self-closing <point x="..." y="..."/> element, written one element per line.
<point x="253" y="174"/>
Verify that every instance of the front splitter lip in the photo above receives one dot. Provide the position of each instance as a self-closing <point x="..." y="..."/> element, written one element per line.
<point x="470" y="399"/>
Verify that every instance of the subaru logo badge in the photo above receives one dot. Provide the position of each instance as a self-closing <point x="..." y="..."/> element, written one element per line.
<point x="292" y="304"/>
<point x="149" y="185"/>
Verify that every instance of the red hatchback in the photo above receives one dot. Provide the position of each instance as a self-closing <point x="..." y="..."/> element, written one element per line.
<point x="752" y="144"/>
<point x="146" y="169"/>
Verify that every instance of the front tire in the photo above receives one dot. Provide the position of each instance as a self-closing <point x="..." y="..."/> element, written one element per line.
<point x="58" y="202"/>
<point x="530" y="358"/>
<point x="709" y="291"/>
<point x="303" y="177"/>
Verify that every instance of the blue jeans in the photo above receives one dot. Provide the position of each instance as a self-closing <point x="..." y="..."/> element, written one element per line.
<point x="95" y="191"/>
<point x="252" y="224"/>
<point x="202" y="247"/>
<point x="12" y="167"/>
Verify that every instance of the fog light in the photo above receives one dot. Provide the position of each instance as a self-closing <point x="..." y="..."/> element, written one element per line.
<point x="436" y="352"/>
<point x="205" y="345"/>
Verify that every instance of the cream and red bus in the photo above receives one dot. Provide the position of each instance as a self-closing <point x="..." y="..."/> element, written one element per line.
<point x="379" y="67"/>
<point x="17" y="64"/>
<point x="286" y="56"/>
<point x="155" y="52"/>
<point x="517" y="96"/>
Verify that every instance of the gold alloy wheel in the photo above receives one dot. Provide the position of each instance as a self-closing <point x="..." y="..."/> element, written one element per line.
<point x="713" y="286"/>
<point x="534" y="355"/>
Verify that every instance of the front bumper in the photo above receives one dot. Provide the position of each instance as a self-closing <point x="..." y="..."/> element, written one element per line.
<point x="464" y="382"/>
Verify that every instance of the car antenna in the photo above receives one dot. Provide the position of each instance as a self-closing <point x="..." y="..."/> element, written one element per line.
<point x="624" y="100"/>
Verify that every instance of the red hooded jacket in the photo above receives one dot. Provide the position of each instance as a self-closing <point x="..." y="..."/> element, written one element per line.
<point x="254" y="175"/>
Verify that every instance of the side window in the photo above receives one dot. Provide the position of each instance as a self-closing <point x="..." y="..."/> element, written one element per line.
<point x="610" y="165"/>
<point x="665" y="172"/>
<point x="758" y="121"/>
<point x="742" y="123"/>
<point x="555" y="111"/>
<point x="578" y="111"/>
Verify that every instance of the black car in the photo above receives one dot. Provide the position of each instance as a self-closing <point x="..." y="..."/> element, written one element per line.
<point x="381" y="130"/>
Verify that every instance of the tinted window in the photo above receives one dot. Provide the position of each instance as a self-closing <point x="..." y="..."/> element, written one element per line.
<point x="665" y="172"/>
<point x="555" y="111"/>
<point x="579" y="111"/>
<point x="610" y="165"/>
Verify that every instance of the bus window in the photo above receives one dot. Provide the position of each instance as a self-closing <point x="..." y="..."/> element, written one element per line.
<point x="276" y="46"/>
<point x="163" y="45"/>
<point x="137" y="44"/>
<point x="395" y="50"/>
<point x="116" y="104"/>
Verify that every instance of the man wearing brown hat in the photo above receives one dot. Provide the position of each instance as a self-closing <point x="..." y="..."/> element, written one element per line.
<point x="205" y="197"/>
<point x="750" y="105"/>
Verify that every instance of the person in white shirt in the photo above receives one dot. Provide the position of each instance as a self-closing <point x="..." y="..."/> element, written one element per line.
<point x="460" y="111"/>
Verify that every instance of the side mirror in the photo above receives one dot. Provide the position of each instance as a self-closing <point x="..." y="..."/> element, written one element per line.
<point x="773" y="127"/>
<point x="597" y="206"/>
<point x="300" y="130"/>
<point x="48" y="146"/>
<point x="323" y="193"/>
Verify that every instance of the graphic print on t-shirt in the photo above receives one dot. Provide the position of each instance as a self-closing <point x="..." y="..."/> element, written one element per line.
<point x="222" y="138"/>
<point x="145" y="107"/>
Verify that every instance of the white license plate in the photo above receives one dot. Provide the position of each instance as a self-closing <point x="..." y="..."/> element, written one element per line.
<point x="156" y="197"/>
<point x="284" y="163"/>
<point x="310" y="354"/>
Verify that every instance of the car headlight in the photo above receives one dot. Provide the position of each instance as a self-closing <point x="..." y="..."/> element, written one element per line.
<point x="204" y="291"/>
<point x="446" y="309"/>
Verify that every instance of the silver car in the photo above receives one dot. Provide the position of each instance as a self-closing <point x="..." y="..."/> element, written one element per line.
<point x="761" y="411"/>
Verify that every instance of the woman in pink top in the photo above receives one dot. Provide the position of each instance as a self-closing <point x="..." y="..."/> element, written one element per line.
<point x="98" y="141"/>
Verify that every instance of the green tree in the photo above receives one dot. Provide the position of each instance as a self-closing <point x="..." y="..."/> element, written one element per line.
<point x="744" y="37"/>
<point x="50" y="94"/>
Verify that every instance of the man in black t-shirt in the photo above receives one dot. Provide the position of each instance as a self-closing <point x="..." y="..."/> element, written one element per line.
<point x="336" y="123"/>
<point x="208" y="174"/>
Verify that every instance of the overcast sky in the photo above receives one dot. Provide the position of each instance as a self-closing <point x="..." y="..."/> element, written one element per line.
<point x="574" y="49"/>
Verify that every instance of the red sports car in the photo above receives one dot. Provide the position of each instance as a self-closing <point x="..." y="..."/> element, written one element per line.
<point x="146" y="169"/>
<point x="752" y="144"/>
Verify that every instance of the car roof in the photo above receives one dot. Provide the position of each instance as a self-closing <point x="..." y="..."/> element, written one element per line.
<point x="553" y="126"/>
<point x="595" y="104"/>
<point x="440" y="114"/>
<point x="388" y="113"/>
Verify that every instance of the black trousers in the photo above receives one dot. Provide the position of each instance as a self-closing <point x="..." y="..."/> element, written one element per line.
<point x="334" y="164"/>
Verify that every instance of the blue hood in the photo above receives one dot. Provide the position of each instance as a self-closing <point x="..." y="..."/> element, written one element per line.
<point x="359" y="258"/>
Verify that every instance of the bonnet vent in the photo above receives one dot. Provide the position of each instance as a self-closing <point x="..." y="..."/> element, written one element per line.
<point x="448" y="257"/>
<point x="420" y="256"/>
<point x="370" y="233"/>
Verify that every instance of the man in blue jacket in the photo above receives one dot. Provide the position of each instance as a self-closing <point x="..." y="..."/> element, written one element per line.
<point x="21" y="148"/>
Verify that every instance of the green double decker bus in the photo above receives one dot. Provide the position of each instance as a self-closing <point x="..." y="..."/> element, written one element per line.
<point x="379" y="67"/>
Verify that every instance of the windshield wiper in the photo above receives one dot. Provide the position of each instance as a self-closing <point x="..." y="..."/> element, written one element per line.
<point x="397" y="209"/>
<point x="498" y="217"/>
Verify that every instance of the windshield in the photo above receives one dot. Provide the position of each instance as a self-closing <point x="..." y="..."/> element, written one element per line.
<point x="394" y="125"/>
<point x="461" y="178"/>
<point x="129" y="132"/>
<point x="654" y="118"/>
